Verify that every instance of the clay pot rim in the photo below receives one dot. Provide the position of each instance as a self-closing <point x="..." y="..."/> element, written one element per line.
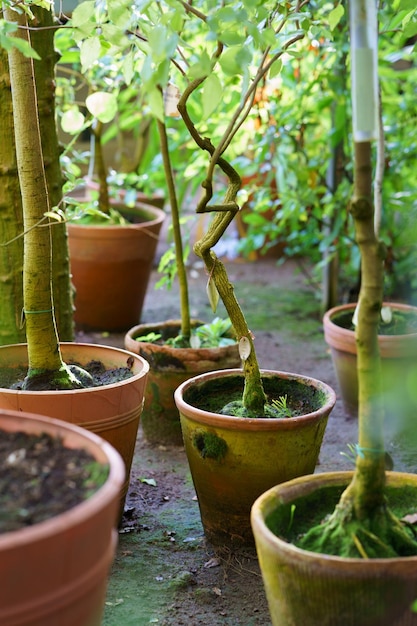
<point x="344" y="339"/>
<point x="159" y="217"/>
<point x="103" y="452"/>
<point x="99" y="347"/>
<point x="328" y="316"/>
<point x="267" y="502"/>
<point x="259" y="423"/>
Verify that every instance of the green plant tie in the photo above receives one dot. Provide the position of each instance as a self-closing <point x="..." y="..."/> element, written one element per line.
<point x="36" y="312"/>
<point x="362" y="451"/>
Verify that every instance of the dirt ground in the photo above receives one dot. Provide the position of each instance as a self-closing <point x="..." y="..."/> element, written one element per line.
<point x="164" y="572"/>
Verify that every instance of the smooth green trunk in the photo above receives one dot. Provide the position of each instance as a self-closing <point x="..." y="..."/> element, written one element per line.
<point x="43" y="42"/>
<point x="11" y="221"/>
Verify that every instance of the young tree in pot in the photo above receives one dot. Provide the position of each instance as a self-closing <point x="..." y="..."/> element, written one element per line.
<point x="228" y="447"/>
<point x="46" y="366"/>
<point x="359" y="543"/>
<point x="11" y="328"/>
<point x="55" y="386"/>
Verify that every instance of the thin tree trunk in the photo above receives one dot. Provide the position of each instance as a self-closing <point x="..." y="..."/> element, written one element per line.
<point x="43" y="43"/>
<point x="43" y="347"/>
<point x="11" y="221"/>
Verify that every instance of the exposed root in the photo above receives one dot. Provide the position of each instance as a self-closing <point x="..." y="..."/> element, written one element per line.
<point x="379" y="535"/>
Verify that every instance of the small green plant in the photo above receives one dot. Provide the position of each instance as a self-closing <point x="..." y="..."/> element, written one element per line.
<point x="281" y="407"/>
<point x="150" y="337"/>
<point x="211" y="335"/>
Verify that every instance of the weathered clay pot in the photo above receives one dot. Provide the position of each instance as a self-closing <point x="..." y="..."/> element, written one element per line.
<point x="306" y="588"/>
<point x="399" y="366"/>
<point x="233" y="460"/>
<point x="56" y="571"/>
<point x="169" y="367"/>
<point x="112" y="411"/>
<point x="111" y="267"/>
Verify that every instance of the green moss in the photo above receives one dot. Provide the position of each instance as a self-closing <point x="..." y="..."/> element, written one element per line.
<point x="210" y="445"/>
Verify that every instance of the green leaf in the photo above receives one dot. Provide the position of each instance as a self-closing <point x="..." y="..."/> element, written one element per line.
<point x="212" y="294"/>
<point x="212" y="94"/>
<point x="156" y="104"/>
<point x="72" y="121"/>
<point x="20" y="44"/>
<point x="148" y="481"/>
<point x="102" y="105"/>
<point x="89" y="52"/>
<point x="335" y="16"/>
<point x="83" y="13"/>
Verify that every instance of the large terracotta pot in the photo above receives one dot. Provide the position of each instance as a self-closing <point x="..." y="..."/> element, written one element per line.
<point x="112" y="411"/>
<point x="399" y="364"/>
<point x="169" y="367"/>
<point x="306" y="588"/>
<point x="111" y="267"/>
<point x="233" y="460"/>
<point x="56" y="571"/>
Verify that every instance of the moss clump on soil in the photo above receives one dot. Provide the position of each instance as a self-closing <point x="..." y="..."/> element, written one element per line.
<point x="402" y="322"/>
<point x="210" y="445"/>
<point x="305" y="523"/>
<point x="222" y="395"/>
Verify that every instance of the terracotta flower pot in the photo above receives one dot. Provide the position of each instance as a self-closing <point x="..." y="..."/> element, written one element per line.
<point x="233" y="460"/>
<point x="112" y="411"/>
<point x="111" y="267"/>
<point x="399" y="364"/>
<point x="56" y="571"/>
<point x="305" y="588"/>
<point x="169" y="367"/>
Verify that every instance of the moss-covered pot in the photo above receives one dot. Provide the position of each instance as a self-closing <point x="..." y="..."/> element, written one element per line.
<point x="169" y="367"/>
<point x="399" y="364"/>
<point x="233" y="460"/>
<point x="309" y="589"/>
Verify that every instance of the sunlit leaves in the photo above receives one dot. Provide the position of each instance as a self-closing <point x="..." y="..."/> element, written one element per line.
<point x="72" y="121"/>
<point x="335" y="16"/>
<point x="102" y="105"/>
<point x="212" y="94"/>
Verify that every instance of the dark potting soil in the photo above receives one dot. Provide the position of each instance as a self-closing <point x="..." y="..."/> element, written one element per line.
<point x="402" y="323"/>
<point x="13" y="377"/>
<point x="299" y="399"/>
<point x="41" y="478"/>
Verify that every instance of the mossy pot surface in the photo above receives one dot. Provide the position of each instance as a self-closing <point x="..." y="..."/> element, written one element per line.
<point x="233" y="459"/>
<point x="399" y="363"/>
<point x="306" y="588"/>
<point x="169" y="367"/>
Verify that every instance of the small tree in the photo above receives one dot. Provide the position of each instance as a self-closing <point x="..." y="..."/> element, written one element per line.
<point x="46" y="368"/>
<point x="362" y="524"/>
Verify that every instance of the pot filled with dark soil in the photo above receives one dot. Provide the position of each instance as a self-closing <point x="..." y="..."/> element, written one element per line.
<point x="234" y="459"/>
<point x="112" y="408"/>
<point x="397" y="339"/>
<point x="60" y="493"/>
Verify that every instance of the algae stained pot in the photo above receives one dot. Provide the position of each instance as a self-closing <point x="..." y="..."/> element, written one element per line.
<point x="310" y="589"/>
<point x="233" y="460"/>
<point x="398" y="359"/>
<point x="111" y="267"/>
<point x="169" y="367"/>
<point x="111" y="411"/>
<point x="56" y="571"/>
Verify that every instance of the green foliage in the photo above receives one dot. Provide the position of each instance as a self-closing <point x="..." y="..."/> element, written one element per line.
<point x="214" y="334"/>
